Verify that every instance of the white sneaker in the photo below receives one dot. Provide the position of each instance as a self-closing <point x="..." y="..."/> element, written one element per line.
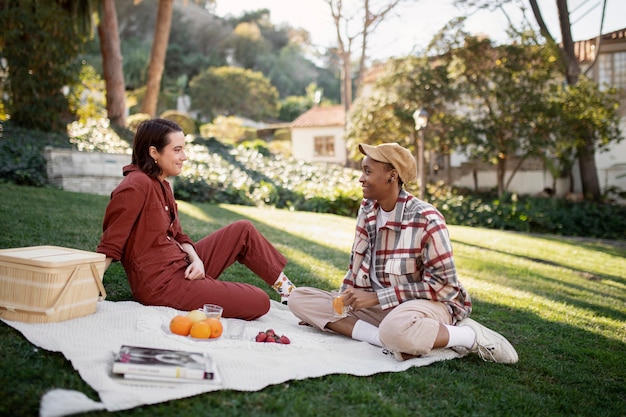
<point x="489" y="345"/>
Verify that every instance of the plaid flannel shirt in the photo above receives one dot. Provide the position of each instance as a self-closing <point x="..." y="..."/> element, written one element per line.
<point x="413" y="256"/>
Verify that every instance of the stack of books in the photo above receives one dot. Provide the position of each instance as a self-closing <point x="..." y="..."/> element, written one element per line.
<point x="143" y="365"/>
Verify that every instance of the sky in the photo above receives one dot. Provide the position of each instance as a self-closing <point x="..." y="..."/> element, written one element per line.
<point x="413" y="25"/>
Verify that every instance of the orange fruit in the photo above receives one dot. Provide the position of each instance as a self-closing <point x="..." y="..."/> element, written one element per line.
<point x="216" y="327"/>
<point x="200" y="330"/>
<point x="181" y="325"/>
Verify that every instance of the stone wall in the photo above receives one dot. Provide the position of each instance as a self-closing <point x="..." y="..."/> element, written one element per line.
<point x="84" y="172"/>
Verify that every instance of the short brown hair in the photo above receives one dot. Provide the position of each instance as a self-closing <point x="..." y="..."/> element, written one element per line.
<point x="153" y="132"/>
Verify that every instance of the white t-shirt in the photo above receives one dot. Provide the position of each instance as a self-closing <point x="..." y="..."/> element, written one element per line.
<point x="381" y="220"/>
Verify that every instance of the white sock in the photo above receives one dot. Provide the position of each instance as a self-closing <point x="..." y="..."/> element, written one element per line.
<point x="460" y="336"/>
<point x="366" y="332"/>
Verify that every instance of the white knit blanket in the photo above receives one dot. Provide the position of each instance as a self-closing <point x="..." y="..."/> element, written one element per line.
<point x="244" y="365"/>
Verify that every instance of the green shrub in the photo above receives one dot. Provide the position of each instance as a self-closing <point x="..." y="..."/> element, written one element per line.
<point x="183" y="120"/>
<point x="40" y="44"/>
<point x="21" y="154"/>
<point x="530" y="214"/>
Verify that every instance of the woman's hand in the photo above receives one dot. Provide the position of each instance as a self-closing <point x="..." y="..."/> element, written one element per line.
<point x="358" y="299"/>
<point x="195" y="270"/>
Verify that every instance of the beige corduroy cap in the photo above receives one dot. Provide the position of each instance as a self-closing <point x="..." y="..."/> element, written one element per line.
<point x="401" y="158"/>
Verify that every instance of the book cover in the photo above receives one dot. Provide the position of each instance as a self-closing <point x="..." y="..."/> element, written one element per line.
<point x="164" y="363"/>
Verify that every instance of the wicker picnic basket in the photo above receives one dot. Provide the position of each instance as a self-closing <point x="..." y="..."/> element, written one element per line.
<point x="41" y="284"/>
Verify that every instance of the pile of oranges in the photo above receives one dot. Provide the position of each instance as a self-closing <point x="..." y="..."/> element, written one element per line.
<point x="196" y="325"/>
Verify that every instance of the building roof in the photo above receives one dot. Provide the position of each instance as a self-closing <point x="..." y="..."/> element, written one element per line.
<point x="326" y="116"/>
<point x="585" y="50"/>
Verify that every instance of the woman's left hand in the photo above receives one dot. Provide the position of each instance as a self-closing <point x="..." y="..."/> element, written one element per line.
<point x="195" y="270"/>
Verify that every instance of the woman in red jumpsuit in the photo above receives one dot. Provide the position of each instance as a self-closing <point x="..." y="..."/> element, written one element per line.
<point x="141" y="229"/>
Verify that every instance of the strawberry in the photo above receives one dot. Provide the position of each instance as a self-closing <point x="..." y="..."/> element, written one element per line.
<point x="261" y="337"/>
<point x="284" y="340"/>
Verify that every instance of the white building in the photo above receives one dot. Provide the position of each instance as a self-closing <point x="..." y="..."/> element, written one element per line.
<point x="317" y="135"/>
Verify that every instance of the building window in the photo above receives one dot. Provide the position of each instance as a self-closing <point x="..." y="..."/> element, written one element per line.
<point x="324" y="146"/>
<point x="612" y="69"/>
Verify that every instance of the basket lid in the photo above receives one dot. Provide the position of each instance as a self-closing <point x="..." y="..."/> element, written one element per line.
<point x="49" y="256"/>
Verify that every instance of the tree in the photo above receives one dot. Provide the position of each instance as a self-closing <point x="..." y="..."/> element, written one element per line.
<point x="248" y="45"/>
<point x="585" y="149"/>
<point x="159" y="51"/>
<point x="112" y="69"/>
<point x="507" y="89"/>
<point x="231" y="91"/>
<point x="585" y="111"/>
<point x="40" y="42"/>
<point x="292" y="73"/>
<point x="498" y="103"/>
<point x="157" y="56"/>
<point x="346" y="35"/>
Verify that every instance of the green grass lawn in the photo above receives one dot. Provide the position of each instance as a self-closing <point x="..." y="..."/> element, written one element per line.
<point x="560" y="301"/>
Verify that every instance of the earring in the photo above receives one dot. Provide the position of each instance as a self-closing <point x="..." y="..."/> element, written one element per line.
<point x="155" y="161"/>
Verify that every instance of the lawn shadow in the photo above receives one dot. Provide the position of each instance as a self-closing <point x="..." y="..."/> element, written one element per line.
<point x="552" y="288"/>
<point x="610" y="247"/>
<point x="583" y="274"/>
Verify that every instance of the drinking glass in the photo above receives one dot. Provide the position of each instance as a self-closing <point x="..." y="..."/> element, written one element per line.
<point x="213" y="311"/>
<point x="339" y="308"/>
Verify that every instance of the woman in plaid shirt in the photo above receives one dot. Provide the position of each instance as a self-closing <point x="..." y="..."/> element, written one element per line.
<point x="401" y="289"/>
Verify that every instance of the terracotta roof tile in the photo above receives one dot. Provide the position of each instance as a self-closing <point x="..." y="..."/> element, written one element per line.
<point x="321" y="117"/>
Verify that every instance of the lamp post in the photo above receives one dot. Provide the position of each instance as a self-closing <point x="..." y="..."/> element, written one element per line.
<point x="421" y="120"/>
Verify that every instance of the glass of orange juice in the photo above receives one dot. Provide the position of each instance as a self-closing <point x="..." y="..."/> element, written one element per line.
<point x="339" y="309"/>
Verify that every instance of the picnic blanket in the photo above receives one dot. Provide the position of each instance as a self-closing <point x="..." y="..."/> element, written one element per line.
<point x="89" y="344"/>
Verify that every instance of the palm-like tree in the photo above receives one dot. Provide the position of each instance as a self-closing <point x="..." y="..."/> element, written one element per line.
<point x="159" y="50"/>
<point x="157" y="56"/>
<point x="112" y="68"/>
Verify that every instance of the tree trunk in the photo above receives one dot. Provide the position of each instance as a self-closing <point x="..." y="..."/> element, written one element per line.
<point x="157" y="57"/>
<point x="112" y="64"/>
<point x="347" y="81"/>
<point x="589" y="172"/>
<point x="501" y="172"/>
<point x="586" y="150"/>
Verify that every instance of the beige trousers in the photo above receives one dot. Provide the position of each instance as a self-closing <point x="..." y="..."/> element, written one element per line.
<point x="410" y="327"/>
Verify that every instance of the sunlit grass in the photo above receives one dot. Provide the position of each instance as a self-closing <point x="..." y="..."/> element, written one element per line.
<point x="194" y="212"/>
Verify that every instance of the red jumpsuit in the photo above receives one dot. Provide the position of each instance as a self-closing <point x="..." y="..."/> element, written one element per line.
<point x="141" y="229"/>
